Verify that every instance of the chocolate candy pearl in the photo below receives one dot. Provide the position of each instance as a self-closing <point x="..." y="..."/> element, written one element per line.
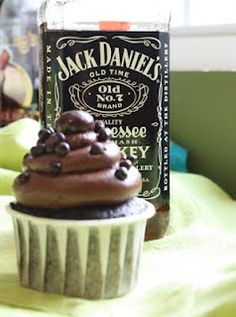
<point x="126" y="163"/>
<point x="99" y="124"/>
<point x="44" y="134"/>
<point x="97" y="149"/>
<point x="57" y="138"/>
<point x="51" y="129"/>
<point x="56" y="167"/>
<point x="23" y="178"/>
<point x="124" y="157"/>
<point x="60" y="136"/>
<point x="38" y="150"/>
<point x="121" y="173"/>
<point x="104" y="135"/>
<point x="42" y="148"/>
<point x="132" y="158"/>
<point x="62" y="149"/>
<point x="75" y="121"/>
<point x="39" y="142"/>
<point x="33" y="151"/>
<point x="26" y="156"/>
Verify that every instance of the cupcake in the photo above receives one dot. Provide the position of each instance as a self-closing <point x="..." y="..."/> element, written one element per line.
<point x="79" y="227"/>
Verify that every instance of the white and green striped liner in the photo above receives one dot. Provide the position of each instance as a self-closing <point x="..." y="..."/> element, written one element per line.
<point x="91" y="259"/>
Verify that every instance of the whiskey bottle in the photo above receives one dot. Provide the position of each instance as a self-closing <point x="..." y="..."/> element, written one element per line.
<point x="112" y="60"/>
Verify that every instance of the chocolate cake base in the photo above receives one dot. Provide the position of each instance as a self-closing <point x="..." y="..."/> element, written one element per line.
<point x="131" y="207"/>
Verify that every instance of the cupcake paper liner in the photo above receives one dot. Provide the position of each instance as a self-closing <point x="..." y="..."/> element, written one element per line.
<point x="91" y="259"/>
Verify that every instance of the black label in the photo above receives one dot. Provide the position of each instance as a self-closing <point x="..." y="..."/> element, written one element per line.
<point x="121" y="78"/>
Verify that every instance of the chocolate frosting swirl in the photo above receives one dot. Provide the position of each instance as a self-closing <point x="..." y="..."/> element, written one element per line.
<point x="77" y="164"/>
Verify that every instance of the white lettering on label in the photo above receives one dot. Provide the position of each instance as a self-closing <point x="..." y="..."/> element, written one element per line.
<point x="108" y="56"/>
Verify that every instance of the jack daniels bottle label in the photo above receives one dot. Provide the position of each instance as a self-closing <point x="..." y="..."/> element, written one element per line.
<point x="121" y="78"/>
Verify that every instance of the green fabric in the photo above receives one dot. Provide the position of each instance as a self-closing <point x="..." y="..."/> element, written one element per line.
<point x="6" y="180"/>
<point x="16" y="139"/>
<point x="189" y="273"/>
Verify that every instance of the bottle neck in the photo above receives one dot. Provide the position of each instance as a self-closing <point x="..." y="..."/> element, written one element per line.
<point x="63" y="14"/>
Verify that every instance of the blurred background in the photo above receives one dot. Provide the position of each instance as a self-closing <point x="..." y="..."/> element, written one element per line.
<point x="18" y="60"/>
<point x="203" y="79"/>
<point x="203" y="86"/>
